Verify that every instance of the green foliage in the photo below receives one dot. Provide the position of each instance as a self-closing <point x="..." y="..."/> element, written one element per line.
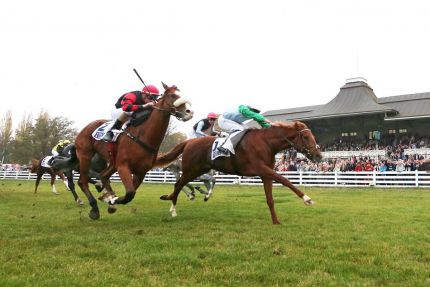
<point x="351" y="237"/>
<point x="5" y="136"/>
<point x="35" y="138"/>
<point x="171" y="140"/>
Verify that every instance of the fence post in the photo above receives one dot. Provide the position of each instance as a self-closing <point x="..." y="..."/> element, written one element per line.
<point x="416" y="177"/>
<point x="374" y="177"/>
<point x="300" y="177"/>
<point x="335" y="177"/>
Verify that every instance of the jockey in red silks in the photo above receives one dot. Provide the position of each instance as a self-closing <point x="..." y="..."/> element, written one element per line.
<point x="129" y="103"/>
<point x="204" y="127"/>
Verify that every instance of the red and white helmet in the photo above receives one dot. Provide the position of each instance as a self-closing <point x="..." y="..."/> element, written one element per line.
<point x="151" y="89"/>
<point x="212" y="115"/>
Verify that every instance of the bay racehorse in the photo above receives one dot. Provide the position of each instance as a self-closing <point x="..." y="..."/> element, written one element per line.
<point x="254" y="156"/>
<point x="208" y="180"/>
<point x="39" y="169"/>
<point x="134" y="152"/>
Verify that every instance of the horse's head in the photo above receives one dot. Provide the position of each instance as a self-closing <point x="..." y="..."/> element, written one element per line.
<point x="302" y="139"/>
<point x="171" y="101"/>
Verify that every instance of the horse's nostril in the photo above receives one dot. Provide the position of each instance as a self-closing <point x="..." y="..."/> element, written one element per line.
<point x="188" y="111"/>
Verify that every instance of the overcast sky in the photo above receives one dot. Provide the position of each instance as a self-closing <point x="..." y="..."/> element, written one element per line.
<point x="75" y="58"/>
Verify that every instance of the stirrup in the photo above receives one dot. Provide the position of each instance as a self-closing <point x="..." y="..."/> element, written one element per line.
<point x="223" y="150"/>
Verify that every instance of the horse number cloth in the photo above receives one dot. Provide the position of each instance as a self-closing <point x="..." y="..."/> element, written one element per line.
<point x="45" y="161"/>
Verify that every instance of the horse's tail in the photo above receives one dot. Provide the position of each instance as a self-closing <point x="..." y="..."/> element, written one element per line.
<point x="61" y="163"/>
<point x="34" y="165"/>
<point x="169" y="157"/>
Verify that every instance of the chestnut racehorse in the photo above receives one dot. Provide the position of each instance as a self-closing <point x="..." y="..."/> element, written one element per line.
<point x="136" y="150"/>
<point x="37" y="168"/>
<point x="254" y="156"/>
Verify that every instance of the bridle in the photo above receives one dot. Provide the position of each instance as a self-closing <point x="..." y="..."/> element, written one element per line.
<point x="173" y="111"/>
<point x="307" y="149"/>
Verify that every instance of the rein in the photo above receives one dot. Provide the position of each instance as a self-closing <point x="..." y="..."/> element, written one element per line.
<point x="300" y="132"/>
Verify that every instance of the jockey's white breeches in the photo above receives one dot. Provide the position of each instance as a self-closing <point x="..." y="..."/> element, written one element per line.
<point x="229" y="126"/>
<point x="117" y="113"/>
<point x="55" y="153"/>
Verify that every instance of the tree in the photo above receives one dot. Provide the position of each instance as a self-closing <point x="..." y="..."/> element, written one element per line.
<point x="5" y="135"/>
<point x="22" y="151"/>
<point x="48" y="131"/>
<point x="172" y="137"/>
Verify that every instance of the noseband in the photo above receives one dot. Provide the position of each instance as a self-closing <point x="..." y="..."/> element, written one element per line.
<point x="173" y="111"/>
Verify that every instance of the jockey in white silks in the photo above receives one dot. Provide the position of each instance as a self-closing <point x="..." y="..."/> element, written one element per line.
<point x="233" y="119"/>
<point x="204" y="127"/>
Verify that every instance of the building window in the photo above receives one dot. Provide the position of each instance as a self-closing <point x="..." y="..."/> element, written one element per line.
<point x="403" y="131"/>
<point x="353" y="134"/>
<point x="345" y="134"/>
<point x="391" y="131"/>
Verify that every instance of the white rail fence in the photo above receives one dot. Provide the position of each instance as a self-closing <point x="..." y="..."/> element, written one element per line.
<point x="344" y="179"/>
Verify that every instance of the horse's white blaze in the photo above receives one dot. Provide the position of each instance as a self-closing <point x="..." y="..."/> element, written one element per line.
<point x="54" y="190"/>
<point x="173" y="210"/>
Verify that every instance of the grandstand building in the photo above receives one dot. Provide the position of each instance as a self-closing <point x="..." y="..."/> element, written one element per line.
<point x="357" y="114"/>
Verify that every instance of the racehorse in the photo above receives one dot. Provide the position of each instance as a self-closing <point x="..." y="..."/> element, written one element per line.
<point x="254" y="156"/>
<point x="134" y="152"/>
<point x="66" y="163"/>
<point x="40" y="170"/>
<point x="208" y="180"/>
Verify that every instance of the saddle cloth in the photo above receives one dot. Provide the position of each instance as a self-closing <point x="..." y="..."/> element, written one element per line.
<point x="101" y="131"/>
<point x="226" y="143"/>
<point x="45" y="161"/>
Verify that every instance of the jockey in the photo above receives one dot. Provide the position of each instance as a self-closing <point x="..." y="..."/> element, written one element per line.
<point x="205" y="126"/>
<point x="233" y="120"/>
<point x="129" y="103"/>
<point x="57" y="149"/>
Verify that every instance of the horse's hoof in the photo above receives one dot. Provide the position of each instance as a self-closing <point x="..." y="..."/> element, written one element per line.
<point x="164" y="197"/>
<point x="79" y="201"/>
<point x="206" y="198"/>
<point x="111" y="209"/>
<point x="309" y="202"/>
<point x="94" y="215"/>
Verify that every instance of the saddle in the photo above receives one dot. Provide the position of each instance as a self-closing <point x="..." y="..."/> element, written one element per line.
<point x="135" y="120"/>
<point x="228" y="143"/>
<point x="45" y="161"/>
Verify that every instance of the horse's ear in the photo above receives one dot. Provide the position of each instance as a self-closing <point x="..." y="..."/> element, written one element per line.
<point x="165" y="86"/>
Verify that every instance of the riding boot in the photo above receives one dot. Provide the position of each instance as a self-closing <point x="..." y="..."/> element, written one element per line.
<point x="115" y="128"/>
<point x="236" y="139"/>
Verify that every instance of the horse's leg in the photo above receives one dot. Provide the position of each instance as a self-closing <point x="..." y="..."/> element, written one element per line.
<point x="191" y="194"/>
<point x="269" y="198"/>
<point x="182" y="181"/>
<point x="71" y="186"/>
<point x="65" y="181"/>
<point x="271" y="174"/>
<point x="105" y="176"/>
<point x="53" y="177"/>
<point x="127" y="180"/>
<point x="108" y="194"/>
<point x="85" y="160"/>
<point x="38" y="178"/>
<point x="210" y="184"/>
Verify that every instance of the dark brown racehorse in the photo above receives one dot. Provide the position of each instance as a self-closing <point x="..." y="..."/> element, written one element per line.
<point x="254" y="156"/>
<point x="37" y="168"/>
<point x="136" y="150"/>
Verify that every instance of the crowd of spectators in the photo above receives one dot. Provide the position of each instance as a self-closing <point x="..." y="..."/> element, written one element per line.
<point x="395" y="158"/>
<point x="12" y="167"/>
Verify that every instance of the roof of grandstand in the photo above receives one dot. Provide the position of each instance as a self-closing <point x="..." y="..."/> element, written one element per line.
<point x="356" y="97"/>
